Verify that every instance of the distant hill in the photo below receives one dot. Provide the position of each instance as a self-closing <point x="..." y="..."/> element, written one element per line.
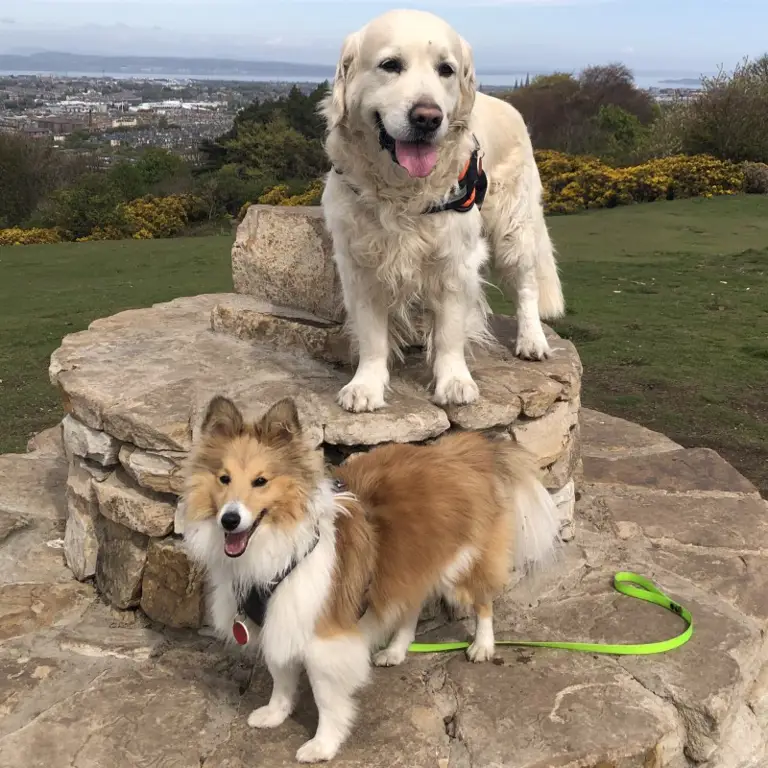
<point x="156" y="65"/>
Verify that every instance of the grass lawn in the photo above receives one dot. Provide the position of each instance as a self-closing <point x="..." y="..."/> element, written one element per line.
<point x="668" y="306"/>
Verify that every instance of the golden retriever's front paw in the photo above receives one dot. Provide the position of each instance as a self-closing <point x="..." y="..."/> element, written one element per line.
<point x="359" y="396"/>
<point x="456" y="390"/>
<point x="317" y="750"/>
<point x="532" y="345"/>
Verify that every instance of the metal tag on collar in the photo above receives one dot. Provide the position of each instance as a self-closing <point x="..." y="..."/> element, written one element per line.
<point x="240" y="631"/>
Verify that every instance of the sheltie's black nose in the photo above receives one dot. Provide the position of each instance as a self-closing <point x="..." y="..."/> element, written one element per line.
<point x="230" y="520"/>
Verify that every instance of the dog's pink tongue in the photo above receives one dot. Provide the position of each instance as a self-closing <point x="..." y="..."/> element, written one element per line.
<point x="417" y="159"/>
<point x="235" y="543"/>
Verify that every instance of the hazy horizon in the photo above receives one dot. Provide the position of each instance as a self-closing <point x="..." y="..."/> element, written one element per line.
<point x="686" y="37"/>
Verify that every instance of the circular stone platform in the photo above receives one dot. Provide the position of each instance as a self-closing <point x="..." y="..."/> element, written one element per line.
<point x="135" y="385"/>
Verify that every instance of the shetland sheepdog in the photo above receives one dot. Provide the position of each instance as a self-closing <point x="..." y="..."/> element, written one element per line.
<point x="318" y="569"/>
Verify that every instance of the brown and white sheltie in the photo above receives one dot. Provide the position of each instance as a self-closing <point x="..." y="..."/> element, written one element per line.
<point x="329" y="566"/>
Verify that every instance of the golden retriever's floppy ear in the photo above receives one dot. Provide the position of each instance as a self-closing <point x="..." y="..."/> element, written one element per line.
<point x="223" y="418"/>
<point x="467" y="81"/>
<point x="334" y="106"/>
<point x="280" y="424"/>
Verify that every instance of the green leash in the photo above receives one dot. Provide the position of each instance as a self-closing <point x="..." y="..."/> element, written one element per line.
<point x="625" y="582"/>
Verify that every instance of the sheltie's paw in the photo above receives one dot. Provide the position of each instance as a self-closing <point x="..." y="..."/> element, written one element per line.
<point x="480" y="651"/>
<point x="316" y="751"/>
<point x="268" y="717"/>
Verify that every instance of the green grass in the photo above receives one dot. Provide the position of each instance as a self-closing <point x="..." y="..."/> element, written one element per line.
<point x="47" y="291"/>
<point x="668" y="305"/>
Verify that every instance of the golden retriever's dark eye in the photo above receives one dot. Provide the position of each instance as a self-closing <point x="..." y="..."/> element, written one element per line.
<point x="225" y="479"/>
<point x="259" y="482"/>
<point x="446" y="70"/>
<point x="395" y="66"/>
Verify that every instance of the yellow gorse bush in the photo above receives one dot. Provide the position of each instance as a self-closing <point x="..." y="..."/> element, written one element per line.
<point x="18" y="236"/>
<point x="280" y="195"/>
<point x="577" y="183"/>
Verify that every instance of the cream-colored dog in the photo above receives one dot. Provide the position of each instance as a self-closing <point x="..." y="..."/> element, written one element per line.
<point x="410" y="141"/>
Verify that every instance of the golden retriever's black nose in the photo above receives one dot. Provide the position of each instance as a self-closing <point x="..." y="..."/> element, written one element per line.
<point x="425" y="117"/>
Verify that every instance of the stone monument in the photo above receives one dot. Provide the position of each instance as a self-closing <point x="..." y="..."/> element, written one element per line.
<point x="134" y="387"/>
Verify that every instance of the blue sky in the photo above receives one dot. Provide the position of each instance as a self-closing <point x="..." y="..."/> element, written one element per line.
<point x="541" y="35"/>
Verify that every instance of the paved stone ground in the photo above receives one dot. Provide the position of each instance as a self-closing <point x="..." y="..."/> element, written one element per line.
<point x="83" y="686"/>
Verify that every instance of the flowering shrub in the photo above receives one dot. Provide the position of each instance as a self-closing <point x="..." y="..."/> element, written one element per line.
<point x="280" y="195"/>
<point x="575" y="183"/>
<point x="150" y="217"/>
<point x="38" y="236"/>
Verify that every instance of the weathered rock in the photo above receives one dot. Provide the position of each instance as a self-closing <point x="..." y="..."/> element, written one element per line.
<point x="146" y="376"/>
<point x="249" y="319"/>
<point x="737" y="523"/>
<point x="80" y="543"/>
<point x="565" y="499"/>
<point x="172" y="588"/>
<point x="27" y="608"/>
<point x="547" y="438"/>
<point x="608" y="437"/>
<point x="136" y="508"/>
<point x="49" y="442"/>
<point x="159" y="472"/>
<point x="32" y="518"/>
<point x="568" y="464"/>
<point x="557" y="721"/>
<point x="81" y="440"/>
<point x="127" y="716"/>
<point x="697" y="469"/>
<point x="283" y="255"/>
<point x="120" y="563"/>
<point x="10" y="523"/>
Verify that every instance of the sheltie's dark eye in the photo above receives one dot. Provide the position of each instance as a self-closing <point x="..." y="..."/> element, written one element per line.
<point x="225" y="479"/>
<point x="259" y="482"/>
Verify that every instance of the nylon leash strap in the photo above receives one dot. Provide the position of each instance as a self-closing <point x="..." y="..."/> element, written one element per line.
<point x="624" y="582"/>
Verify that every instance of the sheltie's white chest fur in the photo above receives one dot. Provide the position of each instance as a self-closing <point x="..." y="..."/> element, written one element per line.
<point x="295" y="606"/>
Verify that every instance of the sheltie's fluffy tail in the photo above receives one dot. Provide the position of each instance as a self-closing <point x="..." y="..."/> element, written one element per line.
<point x="536" y="524"/>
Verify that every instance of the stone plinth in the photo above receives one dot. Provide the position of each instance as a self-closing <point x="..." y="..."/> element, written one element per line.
<point x="135" y="386"/>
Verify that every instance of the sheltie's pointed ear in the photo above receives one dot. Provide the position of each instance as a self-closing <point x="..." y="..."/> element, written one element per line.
<point x="223" y="418"/>
<point x="334" y="106"/>
<point x="280" y="424"/>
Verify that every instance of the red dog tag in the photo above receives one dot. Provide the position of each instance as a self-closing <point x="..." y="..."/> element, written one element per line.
<point x="240" y="632"/>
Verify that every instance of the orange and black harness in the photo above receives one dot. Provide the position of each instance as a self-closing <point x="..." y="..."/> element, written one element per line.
<point x="470" y="190"/>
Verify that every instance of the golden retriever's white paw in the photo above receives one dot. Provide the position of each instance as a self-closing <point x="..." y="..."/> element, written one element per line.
<point x="268" y="717"/>
<point x="532" y="345"/>
<point x="456" y="390"/>
<point x="359" y="396"/>
<point x="481" y="651"/>
<point x="316" y="751"/>
<point x="389" y="657"/>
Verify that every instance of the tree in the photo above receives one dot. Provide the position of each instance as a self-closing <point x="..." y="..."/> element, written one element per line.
<point x="728" y="120"/>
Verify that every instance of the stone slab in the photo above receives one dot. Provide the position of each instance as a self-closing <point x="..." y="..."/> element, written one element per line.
<point x="120" y="563"/>
<point x="158" y="472"/>
<point x="47" y="443"/>
<point x="695" y="469"/>
<point x="736" y="523"/>
<point x="28" y="607"/>
<point x="284" y="255"/>
<point x="87" y="443"/>
<point x="137" y="508"/>
<point x="172" y="588"/>
<point x="609" y="437"/>
<point x="80" y="544"/>
<point x="146" y="376"/>
<point x="249" y="319"/>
